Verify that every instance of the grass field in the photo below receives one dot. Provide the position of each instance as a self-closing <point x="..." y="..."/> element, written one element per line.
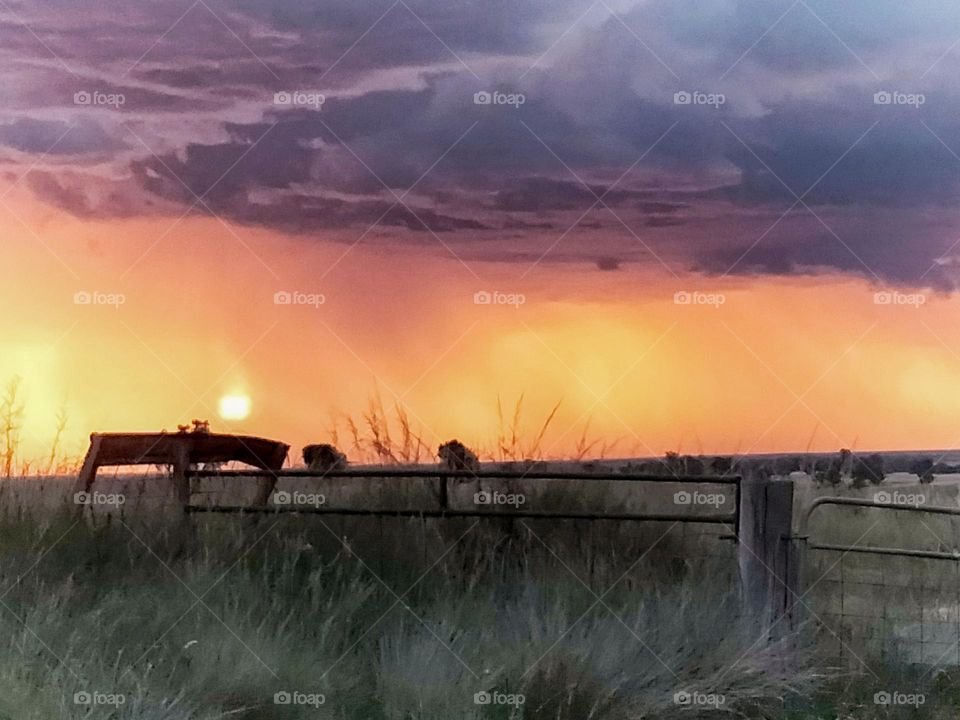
<point x="126" y="614"/>
<point x="400" y="619"/>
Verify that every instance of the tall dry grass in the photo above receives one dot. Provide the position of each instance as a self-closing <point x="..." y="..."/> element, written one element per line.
<point x="390" y="436"/>
<point x="386" y="620"/>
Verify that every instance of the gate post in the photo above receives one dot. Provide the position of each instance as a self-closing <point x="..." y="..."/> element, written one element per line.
<point x="768" y="569"/>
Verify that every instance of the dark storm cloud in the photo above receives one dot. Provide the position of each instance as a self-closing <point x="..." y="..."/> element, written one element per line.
<point x="221" y="171"/>
<point x="664" y="221"/>
<point x="224" y="178"/>
<point x="303" y="214"/>
<point x="480" y="26"/>
<point x="539" y="193"/>
<point x="56" y="137"/>
<point x="884" y="160"/>
<point x="702" y="185"/>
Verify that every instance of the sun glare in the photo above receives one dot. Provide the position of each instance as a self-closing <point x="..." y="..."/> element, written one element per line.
<point x="235" y="407"/>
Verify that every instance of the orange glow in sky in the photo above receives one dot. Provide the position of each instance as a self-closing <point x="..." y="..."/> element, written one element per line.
<point x="241" y="327"/>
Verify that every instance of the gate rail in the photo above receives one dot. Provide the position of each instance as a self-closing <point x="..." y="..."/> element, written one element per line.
<point x="804" y="536"/>
<point x="444" y="476"/>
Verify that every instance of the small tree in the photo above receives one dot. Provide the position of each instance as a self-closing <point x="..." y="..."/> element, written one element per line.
<point x="722" y="465"/>
<point x="867" y="469"/>
<point x="671" y="462"/>
<point x="11" y="423"/>
<point x="832" y="474"/>
<point x="923" y="469"/>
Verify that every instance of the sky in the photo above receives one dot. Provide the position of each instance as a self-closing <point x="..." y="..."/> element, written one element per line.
<point x="716" y="226"/>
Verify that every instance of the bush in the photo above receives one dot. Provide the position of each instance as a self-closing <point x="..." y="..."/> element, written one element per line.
<point x="867" y="470"/>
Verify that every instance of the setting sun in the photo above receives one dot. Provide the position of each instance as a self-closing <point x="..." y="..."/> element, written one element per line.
<point x="235" y="407"/>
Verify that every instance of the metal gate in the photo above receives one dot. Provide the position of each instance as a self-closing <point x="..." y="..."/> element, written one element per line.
<point x="886" y="600"/>
<point x="685" y="534"/>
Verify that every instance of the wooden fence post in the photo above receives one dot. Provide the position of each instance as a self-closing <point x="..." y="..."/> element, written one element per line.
<point x="768" y="568"/>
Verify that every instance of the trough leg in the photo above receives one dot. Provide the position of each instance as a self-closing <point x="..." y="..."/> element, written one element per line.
<point x="88" y="473"/>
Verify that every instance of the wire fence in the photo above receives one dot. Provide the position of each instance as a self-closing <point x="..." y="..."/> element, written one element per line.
<point x="898" y="604"/>
<point x="904" y="610"/>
